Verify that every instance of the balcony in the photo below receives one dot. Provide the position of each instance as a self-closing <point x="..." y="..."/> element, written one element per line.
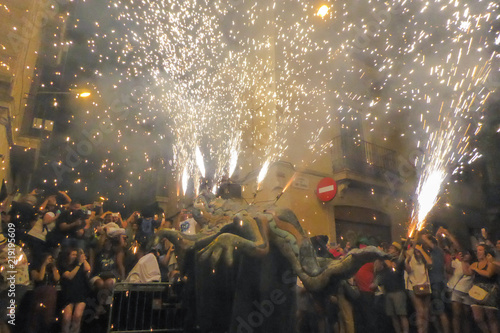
<point x="359" y="159"/>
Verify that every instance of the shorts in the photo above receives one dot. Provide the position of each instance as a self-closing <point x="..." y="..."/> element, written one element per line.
<point x="438" y="297"/>
<point x="460" y="297"/>
<point x="395" y="303"/>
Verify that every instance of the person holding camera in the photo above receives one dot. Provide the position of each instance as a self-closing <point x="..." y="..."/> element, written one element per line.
<point x="74" y="289"/>
<point x="70" y="226"/>
<point x="45" y="278"/>
<point x="417" y="265"/>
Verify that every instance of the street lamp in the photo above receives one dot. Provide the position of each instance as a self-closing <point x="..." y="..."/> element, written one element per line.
<point x="85" y="94"/>
<point x="77" y="92"/>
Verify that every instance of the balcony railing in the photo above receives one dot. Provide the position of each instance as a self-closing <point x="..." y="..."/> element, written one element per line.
<point x="362" y="157"/>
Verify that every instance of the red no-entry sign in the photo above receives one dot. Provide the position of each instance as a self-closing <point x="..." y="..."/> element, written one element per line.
<point x="327" y="189"/>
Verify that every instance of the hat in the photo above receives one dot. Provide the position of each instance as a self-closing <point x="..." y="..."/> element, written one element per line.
<point x="116" y="232"/>
<point x="3" y="240"/>
<point x="110" y="225"/>
<point x="397" y="245"/>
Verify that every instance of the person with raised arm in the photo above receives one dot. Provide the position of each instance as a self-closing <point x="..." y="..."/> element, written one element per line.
<point x="74" y="289"/>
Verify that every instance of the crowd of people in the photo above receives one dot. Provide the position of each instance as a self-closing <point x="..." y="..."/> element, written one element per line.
<point x="431" y="283"/>
<point x="69" y="256"/>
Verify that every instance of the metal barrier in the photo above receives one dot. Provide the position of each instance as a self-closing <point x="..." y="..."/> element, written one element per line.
<point x="150" y="307"/>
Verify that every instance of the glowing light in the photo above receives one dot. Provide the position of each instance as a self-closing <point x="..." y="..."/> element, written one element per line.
<point x="200" y="162"/>
<point x="323" y="11"/>
<point x="263" y="172"/>
<point x="233" y="162"/>
<point x="185" y="178"/>
<point x="427" y="195"/>
<point x="84" y="94"/>
<point x="289" y="182"/>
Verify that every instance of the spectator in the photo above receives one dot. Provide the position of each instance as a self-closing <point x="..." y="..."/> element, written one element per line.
<point x="106" y="263"/>
<point x="37" y="236"/>
<point x="187" y="223"/>
<point x="45" y="277"/>
<point x="74" y="289"/>
<point x="460" y="284"/>
<point x="391" y="278"/>
<point x="336" y="250"/>
<point x="438" y="279"/>
<point x="146" y="270"/>
<point x="484" y="277"/>
<point x="146" y="228"/>
<point x="497" y="249"/>
<point x="131" y="219"/>
<point x="347" y="247"/>
<point x="365" y="303"/>
<point x="417" y="264"/>
<point x="69" y="230"/>
<point x="168" y="261"/>
<point x="21" y="268"/>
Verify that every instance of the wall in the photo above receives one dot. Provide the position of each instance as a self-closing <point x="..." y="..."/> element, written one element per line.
<point x="21" y="22"/>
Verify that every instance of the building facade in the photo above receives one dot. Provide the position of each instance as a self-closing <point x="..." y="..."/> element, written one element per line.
<point x="23" y="23"/>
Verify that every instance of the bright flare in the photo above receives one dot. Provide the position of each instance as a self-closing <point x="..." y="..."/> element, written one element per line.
<point x="185" y="178"/>
<point x="263" y="172"/>
<point x="84" y="94"/>
<point x="200" y="162"/>
<point x="323" y="11"/>
<point x="427" y="196"/>
<point x="233" y="162"/>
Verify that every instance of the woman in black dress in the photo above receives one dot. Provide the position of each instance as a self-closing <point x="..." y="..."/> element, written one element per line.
<point x="45" y="277"/>
<point x="74" y="289"/>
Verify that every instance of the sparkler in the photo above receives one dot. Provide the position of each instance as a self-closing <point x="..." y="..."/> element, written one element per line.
<point x="263" y="173"/>
<point x="199" y="161"/>
<point x="286" y="187"/>
<point x="233" y="162"/>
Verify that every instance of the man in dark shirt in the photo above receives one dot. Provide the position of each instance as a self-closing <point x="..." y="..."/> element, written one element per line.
<point x="391" y="278"/>
<point x="437" y="278"/>
<point x="70" y="226"/>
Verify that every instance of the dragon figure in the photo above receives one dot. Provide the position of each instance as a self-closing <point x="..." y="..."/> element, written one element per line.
<point x="242" y="266"/>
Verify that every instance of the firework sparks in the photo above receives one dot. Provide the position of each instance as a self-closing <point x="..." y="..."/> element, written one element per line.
<point x="261" y="77"/>
<point x="200" y="162"/>
<point x="263" y="173"/>
<point x="233" y="162"/>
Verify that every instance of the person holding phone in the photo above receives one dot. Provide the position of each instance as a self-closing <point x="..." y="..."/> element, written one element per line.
<point x="417" y="265"/>
<point x="74" y="288"/>
<point x="45" y="277"/>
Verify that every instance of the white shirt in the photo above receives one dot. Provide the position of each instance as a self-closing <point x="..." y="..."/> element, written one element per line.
<point x="188" y="226"/>
<point x="38" y="231"/>
<point x="146" y="270"/>
<point x="459" y="281"/>
<point x="418" y="274"/>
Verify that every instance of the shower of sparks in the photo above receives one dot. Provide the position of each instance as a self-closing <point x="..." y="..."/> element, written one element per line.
<point x="224" y="77"/>
<point x="260" y="78"/>
<point x="462" y="94"/>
